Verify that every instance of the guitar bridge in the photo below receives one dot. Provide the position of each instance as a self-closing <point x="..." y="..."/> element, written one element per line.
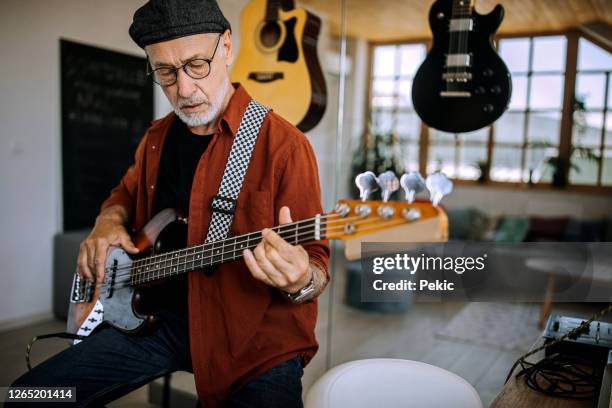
<point x="82" y="290"/>
<point x="265" y="77"/>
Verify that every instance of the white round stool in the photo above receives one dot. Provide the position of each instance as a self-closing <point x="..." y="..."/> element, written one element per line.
<point x="391" y="383"/>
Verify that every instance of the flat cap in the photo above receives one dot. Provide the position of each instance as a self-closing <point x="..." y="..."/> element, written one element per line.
<point x="163" y="20"/>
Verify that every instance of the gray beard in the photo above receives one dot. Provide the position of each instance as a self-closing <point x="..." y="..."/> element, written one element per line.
<point x="203" y="118"/>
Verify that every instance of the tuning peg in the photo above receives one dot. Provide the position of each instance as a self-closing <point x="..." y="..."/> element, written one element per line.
<point x="438" y="185"/>
<point x="367" y="184"/>
<point x="389" y="183"/>
<point x="412" y="183"/>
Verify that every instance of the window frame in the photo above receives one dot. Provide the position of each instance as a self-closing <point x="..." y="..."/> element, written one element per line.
<point x="567" y="121"/>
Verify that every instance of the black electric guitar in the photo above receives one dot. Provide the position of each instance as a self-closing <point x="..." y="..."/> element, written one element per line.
<point x="118" y="301"/>
<point x="463" y="85"/>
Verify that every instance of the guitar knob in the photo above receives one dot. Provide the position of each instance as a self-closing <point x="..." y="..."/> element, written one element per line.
<point x="389" y="184"/>
<point x="367" y="184"/>
<point x="479" y="90"/>
<point x="439" y="186"/>
<point x="487" y="72"/>
<point x="412" y="183"/>
<point x="488" y="108"/>
<point x="496" y="90"/>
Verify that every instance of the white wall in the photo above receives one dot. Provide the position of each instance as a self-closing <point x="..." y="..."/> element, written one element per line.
<point x="30" y="162"/>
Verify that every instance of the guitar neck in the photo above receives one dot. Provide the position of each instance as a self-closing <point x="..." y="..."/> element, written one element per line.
<point x="462" y="8"/>
<point x="272" y="7"/>
<point x="203" y="256"/>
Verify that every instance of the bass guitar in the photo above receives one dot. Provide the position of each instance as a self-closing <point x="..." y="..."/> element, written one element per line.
<point x="278" y="63"/>
<point x="117" y="300"/>
<point x="463" y="85"/>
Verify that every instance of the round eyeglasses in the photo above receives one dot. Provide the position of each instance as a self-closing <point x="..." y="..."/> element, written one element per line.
<point x="196" y="68"/>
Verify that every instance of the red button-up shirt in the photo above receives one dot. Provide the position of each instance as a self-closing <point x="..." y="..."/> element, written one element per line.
<point x="239" y="327"/>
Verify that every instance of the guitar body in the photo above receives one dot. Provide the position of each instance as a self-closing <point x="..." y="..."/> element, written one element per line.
<point x="278" y="63"/>
<point x="476" y="94"/>
<point x="124" y="307"/>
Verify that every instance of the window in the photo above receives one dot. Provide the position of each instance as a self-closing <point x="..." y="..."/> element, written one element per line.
<point x="529" y="132"/>
<point x="592" y="130"/>
<point x="519" y="146"/>
<point x="391" y="108"/>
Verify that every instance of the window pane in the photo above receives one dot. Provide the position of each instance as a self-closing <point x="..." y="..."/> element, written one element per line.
<point x="515" y="53"/>
<point x="591" y="88"/>
<point x="590" y="56"/>
<point x="438" y="136"/>
<point x="509" y="128"/>
<point x="583" y="170"/>
<point x="410" y="155"/>
<point x="408" y="126"/>
<point x="441" y="158"/>
<point x="546" y="92"/>
<point x="536" y="164"/>
<point x="412" y="56"/>
<point x="477" y="136"/>
<point x="610" y="94"/>
<point x="518" y="101"/>
<point x="382" y="122"/>
<point x="608" y="139"/>
<point x="383" y="87"/>
<point x="544" y="128"/>
<point x="506" y="164"/>
<point x="549" y="53"/>
<point x="405" y="94"/>
<point x="384" y="60"/>
<point x="469" y="156"/>
<point x="587" y="129"/>
<point x="606" y="175"/>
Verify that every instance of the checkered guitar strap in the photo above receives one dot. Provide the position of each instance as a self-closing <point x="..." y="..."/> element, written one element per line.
<point x="223" y="204"/>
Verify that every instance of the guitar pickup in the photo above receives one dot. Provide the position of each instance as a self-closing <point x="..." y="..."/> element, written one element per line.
<point x="455" y="94"/>
<point x="264" y="77"/>
<point x="461" y="24"/>
<point x="458" y="60"/>
<point x="457" y="76"/>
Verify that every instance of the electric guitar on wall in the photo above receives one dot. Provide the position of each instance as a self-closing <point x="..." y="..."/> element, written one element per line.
<point x="118" y="300"/>
<point x="463" y="85"/>
<point x="278" y="63"/>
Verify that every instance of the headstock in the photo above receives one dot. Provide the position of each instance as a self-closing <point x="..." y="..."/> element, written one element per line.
<point x="356" y="221"/>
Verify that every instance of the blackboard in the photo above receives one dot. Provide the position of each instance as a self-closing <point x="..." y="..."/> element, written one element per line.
<point x="107" y="105"/>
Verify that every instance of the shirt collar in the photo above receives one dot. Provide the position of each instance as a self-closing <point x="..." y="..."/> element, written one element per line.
<point x="236" y="108"/>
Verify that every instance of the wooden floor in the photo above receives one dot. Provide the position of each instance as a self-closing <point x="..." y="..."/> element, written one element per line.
<point x="355" y="335"/>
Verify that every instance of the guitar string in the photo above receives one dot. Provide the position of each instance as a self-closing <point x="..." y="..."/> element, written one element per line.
<point x="140" y="262"/>
<point x="128" y="283"/>
<point x="290" y="234"/>
<point x="238" y="240"/>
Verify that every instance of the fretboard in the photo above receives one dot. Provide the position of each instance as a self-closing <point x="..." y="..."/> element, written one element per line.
<point x="210" y="254"/>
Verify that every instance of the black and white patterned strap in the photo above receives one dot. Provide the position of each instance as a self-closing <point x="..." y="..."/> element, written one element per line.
<point x="223" y="204"/>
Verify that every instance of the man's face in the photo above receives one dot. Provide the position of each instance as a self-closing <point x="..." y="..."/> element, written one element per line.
<point x="197" y="102"/>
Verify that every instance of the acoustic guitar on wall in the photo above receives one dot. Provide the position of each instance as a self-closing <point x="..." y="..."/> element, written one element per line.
<point x="463" y="85"/>
<point x="278" y="63"/>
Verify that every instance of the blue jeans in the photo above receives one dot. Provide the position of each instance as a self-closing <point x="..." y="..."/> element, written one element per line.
<point x="110" y="364"/>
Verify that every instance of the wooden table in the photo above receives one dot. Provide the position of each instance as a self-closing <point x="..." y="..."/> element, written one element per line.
<point x="516" y="394"/>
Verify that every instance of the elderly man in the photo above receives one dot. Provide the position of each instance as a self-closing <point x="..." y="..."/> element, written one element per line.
<point x="247" y="330"/>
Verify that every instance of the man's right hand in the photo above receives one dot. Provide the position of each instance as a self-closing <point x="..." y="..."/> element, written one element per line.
<point x="109" y="231"/>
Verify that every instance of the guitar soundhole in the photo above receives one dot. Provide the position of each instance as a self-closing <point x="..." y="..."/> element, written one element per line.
<point x="270" y="34"/>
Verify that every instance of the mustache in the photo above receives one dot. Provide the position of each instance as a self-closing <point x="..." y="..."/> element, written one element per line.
<point x="181" y="103"/>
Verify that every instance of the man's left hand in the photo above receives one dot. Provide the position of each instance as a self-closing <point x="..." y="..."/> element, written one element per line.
<point x="277" y="263"/>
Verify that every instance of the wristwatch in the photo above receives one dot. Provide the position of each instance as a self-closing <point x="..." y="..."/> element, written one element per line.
<point x="303" y="293"/>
